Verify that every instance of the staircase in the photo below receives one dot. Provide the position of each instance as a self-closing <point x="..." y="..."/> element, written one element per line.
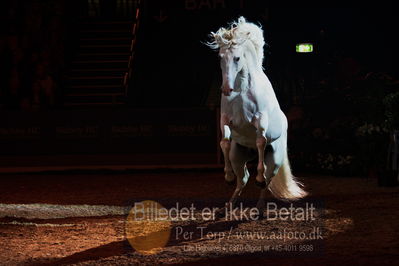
<point x="97" y="76"/>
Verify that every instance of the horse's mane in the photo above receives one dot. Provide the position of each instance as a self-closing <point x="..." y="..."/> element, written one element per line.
<point x="237" y="34"/>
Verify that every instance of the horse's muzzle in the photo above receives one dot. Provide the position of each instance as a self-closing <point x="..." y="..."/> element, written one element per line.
<point x="226" y="92"/>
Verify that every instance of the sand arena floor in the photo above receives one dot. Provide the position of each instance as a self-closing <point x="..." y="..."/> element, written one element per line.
<point x="81" y="218"/>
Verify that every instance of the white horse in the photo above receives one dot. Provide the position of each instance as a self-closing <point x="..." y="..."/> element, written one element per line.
<point x="251" y="118"/>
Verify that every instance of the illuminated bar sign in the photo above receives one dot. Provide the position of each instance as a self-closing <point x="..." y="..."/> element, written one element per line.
<point x="304" y="48"/>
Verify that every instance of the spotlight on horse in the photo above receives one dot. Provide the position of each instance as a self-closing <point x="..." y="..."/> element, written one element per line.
<point x="251" y="121"/>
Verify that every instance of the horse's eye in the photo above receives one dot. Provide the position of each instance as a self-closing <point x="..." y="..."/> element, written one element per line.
<point x="236" y="59"/>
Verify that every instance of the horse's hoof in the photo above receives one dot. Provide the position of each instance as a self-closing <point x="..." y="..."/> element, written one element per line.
<point x="262" y="184"/>
<point x="232" y="182"/>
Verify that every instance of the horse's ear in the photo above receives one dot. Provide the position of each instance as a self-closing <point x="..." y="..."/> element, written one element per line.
<point x="241" y="20"/>
<point x="212" y="35"/>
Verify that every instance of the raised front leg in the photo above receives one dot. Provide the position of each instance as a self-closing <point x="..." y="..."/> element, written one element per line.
<point x="261" y="124"/>
<point x="261" y="168"/>
<point x="225" y="146"/>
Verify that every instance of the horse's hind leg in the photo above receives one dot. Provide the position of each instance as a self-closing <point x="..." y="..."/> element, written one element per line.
<point x="261" y="124"/>
<point x="239" y="156"/>
<point x="274" y="158"/>
<point x="269" y="173"/>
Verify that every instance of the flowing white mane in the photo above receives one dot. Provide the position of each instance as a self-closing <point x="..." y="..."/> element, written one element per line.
<point x="238" y="33"/>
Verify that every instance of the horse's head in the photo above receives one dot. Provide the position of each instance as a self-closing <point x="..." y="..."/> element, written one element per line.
<point x="232" y="61"/>
<point x="242" y="43"/>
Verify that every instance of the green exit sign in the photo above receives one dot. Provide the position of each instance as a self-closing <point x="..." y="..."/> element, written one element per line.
<point x="304" y="48"/>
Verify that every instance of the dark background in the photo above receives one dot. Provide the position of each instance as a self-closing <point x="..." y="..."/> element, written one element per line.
<point x="335" y="98"/>
<point x="180" y="67"/>
<point x="174" y="68"/>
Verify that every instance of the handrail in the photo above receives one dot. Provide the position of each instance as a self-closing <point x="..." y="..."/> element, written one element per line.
<point x="128" y="75"/>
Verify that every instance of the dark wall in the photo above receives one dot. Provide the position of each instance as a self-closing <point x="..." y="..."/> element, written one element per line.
<point x="174" y="67"/>
<point x="36" y="41"/>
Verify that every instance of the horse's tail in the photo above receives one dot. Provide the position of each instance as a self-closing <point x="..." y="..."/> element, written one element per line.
<point x="284" y="185"/>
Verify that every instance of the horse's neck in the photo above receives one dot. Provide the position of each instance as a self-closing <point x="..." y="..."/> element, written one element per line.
<point x="246" y="78"/>
<point x="243" y="80"/>
<point x="253" y="78"/>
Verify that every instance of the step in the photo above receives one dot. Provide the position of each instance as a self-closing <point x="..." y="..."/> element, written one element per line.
<point x="93" y="104"/>
<point x="94" y="98"/>
<point x="104" y="56"/>
<point x="98" y="48"/>
<point x="103" y="86"/>
<point x="99" y="98"/>
<point x="96" y="77"/>
<point x="92" y="33"/>
<point x="95" y="80"/>
<point x="97" y="71"/>
<point x="103" y="64"/>
<point x="106" y="41"/>
<point x="87" y="89"/>
<point x="97" y="39"/>
<point x="94" y="94"/>
<point x="105" y="22"/>
<point x="103" y="30"/>
<point x="95" y="45"/>
<point x="106" y="25"/>
<point x="99" y="61"/>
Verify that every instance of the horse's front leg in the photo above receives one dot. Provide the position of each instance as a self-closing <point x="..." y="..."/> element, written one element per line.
<point x="226" y="146"/>
<point x="261" y="124"/>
